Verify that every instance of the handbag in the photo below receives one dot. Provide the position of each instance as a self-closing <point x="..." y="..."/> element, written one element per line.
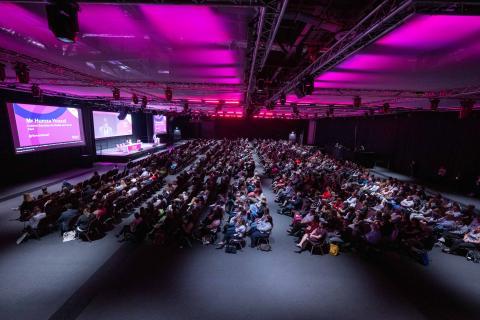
<point x="334" y="249"/>
<point x="231" y="248"/>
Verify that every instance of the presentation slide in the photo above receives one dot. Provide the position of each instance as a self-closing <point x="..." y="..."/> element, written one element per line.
<point x="107" y="125"/>
<point x="40" y="127"/>
<point x="160" y="124"/>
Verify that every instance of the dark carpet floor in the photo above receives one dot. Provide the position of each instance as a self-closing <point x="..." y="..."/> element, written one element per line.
<point x="108" y="280"/>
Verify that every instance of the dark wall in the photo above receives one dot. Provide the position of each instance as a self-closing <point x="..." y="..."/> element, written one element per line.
<point x="240" y="128"/>
<point x="430" y="139"/>
<point x="24" y="167"/>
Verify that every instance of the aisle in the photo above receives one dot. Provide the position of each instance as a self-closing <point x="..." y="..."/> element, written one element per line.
<point x="278" y="238"/>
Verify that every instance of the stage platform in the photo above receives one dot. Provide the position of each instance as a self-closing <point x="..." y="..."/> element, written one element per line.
<point x="118" y="156"/>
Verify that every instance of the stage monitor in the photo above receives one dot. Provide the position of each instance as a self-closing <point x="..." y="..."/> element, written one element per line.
<point x="159" y="124"/>
<point x="39" y="127"/>
<point x="108" y="125"/>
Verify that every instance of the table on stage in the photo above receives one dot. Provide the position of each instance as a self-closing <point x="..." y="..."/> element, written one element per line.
<point x="127" y="148"/>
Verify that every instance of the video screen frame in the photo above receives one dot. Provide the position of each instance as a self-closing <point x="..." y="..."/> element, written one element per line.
<point x="15" y="135"/>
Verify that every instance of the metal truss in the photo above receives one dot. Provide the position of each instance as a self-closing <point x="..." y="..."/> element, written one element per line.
<point x="383" y="18"/>
<point x="388" y="15"/>
<point x="239" y="3"/>
<point x="70" y="77"/>
<point x="269" y="19"/>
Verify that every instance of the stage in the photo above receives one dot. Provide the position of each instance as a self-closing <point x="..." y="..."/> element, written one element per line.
<point x="128" y="152"/>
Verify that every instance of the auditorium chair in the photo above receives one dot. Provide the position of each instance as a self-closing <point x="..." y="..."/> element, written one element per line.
<point x="317" y="245"/>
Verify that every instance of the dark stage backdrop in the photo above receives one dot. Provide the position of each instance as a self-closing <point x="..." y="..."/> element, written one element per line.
<point x="240" y="128"/>
<point x="430" y="139"/>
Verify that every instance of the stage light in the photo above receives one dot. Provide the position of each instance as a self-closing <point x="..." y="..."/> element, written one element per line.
<point x="308" y="85"/>
<point x="299" y="90"/>
<point x="260" y="85"/>
<point x="466" y="108"/>
<point x="3" y="73"/>
<point x="219" y="106"/>
<point x="144" y="102"/>
<point x="36" y="91"/>
<point x="330" y="111"/>
<point x="283" y="98"/>
<point x="116" y="93"/>
<point x="386" y="107"/>
<point x="134" y="98"/>
<point x="62" y="16"/>
<point x="168" y="94"/>
<point x="357" y="101"/>
<point x="295" y="110"/>
<point x="434" y="103"/>
<point x="22" y="72"/>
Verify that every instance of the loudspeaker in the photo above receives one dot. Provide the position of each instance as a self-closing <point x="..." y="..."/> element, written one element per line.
<point x="122" y="114"/>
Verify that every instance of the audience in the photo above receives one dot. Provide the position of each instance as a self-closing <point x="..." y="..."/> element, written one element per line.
<point x="216" y="188"/>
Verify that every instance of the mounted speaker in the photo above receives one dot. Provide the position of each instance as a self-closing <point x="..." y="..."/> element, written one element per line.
<point x="122" y="114"/>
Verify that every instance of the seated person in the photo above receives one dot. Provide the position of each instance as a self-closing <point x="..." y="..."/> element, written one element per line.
<point x="470" y="241"/>
<point x="316" y="236"/>
<point x="297" y="225"/>
<point x="262" y="229"/>
<point x="84" y="220"/>
<point x="210" y="224"/>
<point x="236" y="230"/>
<point x="130" y="228"/>
<point x="31" y="225"/>
<point x="26" y="207"/>
<point x="66" y="217"/>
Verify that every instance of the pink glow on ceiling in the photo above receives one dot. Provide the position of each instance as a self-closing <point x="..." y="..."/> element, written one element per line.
<point x="429" y="32"/>
<point x="187" y="24"/>
<point x="136" y="42"/>
<point x="426" y="53"/>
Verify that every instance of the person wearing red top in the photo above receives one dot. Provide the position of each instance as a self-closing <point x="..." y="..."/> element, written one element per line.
<point x="326" y="194"/>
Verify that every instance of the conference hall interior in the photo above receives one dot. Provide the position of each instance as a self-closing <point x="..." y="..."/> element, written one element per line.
<point x="239" y="159"/>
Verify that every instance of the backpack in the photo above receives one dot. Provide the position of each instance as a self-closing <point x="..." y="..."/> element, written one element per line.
<point x="231" y="248"/>
<point x="264" y="247"/>
<point x="334" y="249"/>
<point x="473" y="255"/>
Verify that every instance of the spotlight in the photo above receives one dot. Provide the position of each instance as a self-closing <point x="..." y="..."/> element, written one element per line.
<point x="260" y="85"/>
<point x="134" y="98"/>
<point x="144" y="102"/>
<point x="308" y="85"/>
<point x="168" y="94"/>
<point x="283" y="99"/>
<point x="219" y="106"/>
<point x="434" y="104"/>
<point x="22" y="72"/>
<point x="357" y="101"/>
<point x="62" y="18"/>
<point x="295" y="110"/>
<point x="330" y="111"/>
<point x="3" y="73"/>
<point x="299" y="90"/>
<point x="466" y="108"/>
<point x="386" y="107"/>
<point x="36" y="91"/>
<point x="116" y="93"/>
